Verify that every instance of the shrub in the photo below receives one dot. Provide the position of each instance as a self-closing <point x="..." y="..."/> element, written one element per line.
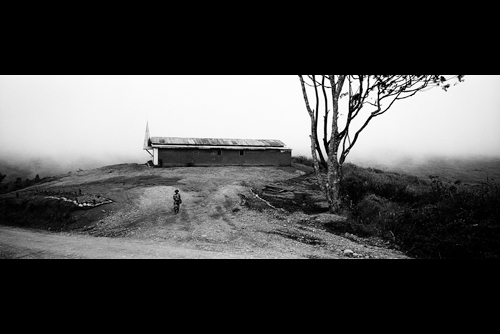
<point x="36" y="212"/>
<point x="302" y="159"/>
<point x="426" y="219"/>
<point x="465" y="225"/>
<point x="358" y="182"/>
<point x="20" y="184"/>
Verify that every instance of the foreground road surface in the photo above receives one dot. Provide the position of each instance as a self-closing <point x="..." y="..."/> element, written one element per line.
<point x="35" y="244"/>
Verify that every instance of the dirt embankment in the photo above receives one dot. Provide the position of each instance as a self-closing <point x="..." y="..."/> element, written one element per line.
<point x="224" y="215"/>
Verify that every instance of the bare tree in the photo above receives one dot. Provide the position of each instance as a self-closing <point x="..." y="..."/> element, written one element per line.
<point x="362" y="98"/>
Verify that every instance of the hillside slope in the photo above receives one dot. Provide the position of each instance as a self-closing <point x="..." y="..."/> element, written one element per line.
<point x="220" y="212"/>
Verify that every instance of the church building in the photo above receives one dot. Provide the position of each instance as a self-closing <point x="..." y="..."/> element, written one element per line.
<point x="177" y="151"/>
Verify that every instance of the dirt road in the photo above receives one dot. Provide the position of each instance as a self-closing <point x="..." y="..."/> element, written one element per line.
<point x="17" y="243"/>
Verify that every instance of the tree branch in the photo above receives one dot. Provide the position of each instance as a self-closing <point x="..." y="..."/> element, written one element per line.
<point x="325" y="123"/>
<point x="318" y="147"/>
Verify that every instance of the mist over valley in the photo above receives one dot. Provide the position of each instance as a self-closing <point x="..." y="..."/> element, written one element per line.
<point x="472" y="170"/>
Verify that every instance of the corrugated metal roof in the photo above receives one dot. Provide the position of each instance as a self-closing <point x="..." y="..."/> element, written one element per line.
<point x="207" y="147"/>
<point x="216" y="142"/>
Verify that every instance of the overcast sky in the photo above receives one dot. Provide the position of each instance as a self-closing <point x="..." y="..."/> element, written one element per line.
<point x="103" y="118"/>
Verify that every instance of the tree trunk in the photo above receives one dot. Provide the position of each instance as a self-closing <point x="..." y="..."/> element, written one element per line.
<point x="334" y="168"/>
<point x="333" y="186"/>
<point x="330" y="184"/>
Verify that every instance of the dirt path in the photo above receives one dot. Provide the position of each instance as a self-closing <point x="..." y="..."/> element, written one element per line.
<point x="16" y="243"/>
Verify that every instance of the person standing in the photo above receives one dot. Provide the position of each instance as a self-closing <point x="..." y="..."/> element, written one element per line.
<point x="177" y="201"/>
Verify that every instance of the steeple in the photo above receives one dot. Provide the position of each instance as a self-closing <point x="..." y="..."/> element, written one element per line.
<point x="147" y="142"/>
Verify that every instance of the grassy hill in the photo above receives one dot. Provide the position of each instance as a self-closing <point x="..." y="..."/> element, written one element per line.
<point x="240" y="206"/>
<point x="432" y="218"/>
<point x="437" y="216"/>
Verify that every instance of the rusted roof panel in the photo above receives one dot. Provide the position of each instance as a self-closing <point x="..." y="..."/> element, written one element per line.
<point x="217" y="142"/>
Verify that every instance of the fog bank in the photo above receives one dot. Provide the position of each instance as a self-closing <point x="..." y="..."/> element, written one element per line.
<point x="27" y="167"/>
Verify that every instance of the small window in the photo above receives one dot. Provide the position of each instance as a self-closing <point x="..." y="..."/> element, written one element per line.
<point x="242" y="152"/>
<point x="219" y="152"/>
